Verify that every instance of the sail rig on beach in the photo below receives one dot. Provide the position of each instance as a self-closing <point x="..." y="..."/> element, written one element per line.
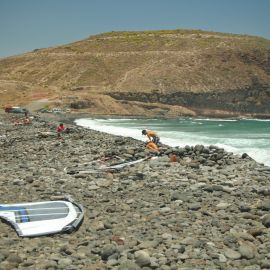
<point x="43" y="218"/>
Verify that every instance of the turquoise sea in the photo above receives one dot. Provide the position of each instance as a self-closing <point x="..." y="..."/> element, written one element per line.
<point x="238" y="136"/>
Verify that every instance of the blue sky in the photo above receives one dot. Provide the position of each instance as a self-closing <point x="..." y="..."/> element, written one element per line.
<point x="30" y="24"/>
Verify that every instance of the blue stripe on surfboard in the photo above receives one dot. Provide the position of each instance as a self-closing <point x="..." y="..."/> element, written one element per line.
<point x="22" y="212"/>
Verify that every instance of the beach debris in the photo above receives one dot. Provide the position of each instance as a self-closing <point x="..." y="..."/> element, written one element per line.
<point x="93" y="166"/>
<point x="96" y="167"/>
<point x="46" y="134"/>
<point x="124" y="164"/>
<point x="43" y="218"/>
<point x="118" y="240"/>
<point x="173" y="158"/>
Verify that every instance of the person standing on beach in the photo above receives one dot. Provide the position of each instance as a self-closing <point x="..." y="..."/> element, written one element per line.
<point x="152" y="136"/>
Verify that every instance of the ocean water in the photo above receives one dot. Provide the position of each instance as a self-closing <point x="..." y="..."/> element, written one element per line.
<point x="237" y="136"/>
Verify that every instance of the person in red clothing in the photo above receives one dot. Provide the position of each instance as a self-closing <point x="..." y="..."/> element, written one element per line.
<point x="60" y="129"/>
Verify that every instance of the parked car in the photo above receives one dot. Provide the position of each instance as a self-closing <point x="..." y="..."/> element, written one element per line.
<point x="43" y="110"/>
<point x="56" y="110"/>
<point x="8" y="109"/>
<point x="15" y="110"/>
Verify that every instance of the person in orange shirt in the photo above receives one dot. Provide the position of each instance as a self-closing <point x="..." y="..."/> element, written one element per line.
<point x="152" y="136"/>
<point x="152" y="147"/>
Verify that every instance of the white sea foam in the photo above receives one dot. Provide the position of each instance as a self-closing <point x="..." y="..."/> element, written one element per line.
<point x="99" y="126"/>
<point x="118" y="120"/>
<point x="215" y="119"/>
<point x="259" y="120"/>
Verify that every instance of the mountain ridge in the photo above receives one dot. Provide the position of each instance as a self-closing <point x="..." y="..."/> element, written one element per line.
<point x="166" y="67"/>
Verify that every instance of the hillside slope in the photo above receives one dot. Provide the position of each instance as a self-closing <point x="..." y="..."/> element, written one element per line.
<point x="163" y="73"/>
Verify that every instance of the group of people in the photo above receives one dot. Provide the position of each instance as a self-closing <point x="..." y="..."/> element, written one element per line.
<point x="24" y="121"/>
<point x="153" y="142"/>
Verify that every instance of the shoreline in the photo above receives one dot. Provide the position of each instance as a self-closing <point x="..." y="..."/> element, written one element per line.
<point x="176" y="141"/>
<point x="208" y="210"/>
<point x="78" y="115"/>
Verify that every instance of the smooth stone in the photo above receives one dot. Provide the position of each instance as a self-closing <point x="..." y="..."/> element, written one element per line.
<point x="51" y="263"/>
<point x="188" y="241"/>
<point x="142" y="258"/>
<point x="149" y="244"/>
<point x="64" y="262"/>
<point x="167" y="236"/>
<point x="93" y="187"/>
<point x="165" y="209"/>
<point x="177" y="195"/>
<point x="266" y="221"/>
<point x="244" y="208"/>
<point x="246" y="251"/>
<point x="252" y="267"/>
<point x="266" y="205"/>
<point x="256" y="231"/>
<point x="222" y="258"/>
<point x="265" y="264"/>
<point x="194" y="206"/>
<point x="107" y="251"/>
<point x="222" y="205"/>
<point x="14" y="258"/>
<point x="128" y="265"/>
<point x="232" y="254"/>
<point x="112" y="262"/>
<point x="243" y="235"/>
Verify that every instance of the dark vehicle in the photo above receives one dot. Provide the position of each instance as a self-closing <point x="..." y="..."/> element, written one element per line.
<point x="15" y="110"/>
<point x="43" y="110"/>
<point x="8" y="109"/>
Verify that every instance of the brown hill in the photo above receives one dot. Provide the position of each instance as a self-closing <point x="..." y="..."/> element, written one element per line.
<point x="158" y="73"/>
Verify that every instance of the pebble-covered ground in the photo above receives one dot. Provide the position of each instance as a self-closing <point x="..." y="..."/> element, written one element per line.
<point x="208" y="210"/>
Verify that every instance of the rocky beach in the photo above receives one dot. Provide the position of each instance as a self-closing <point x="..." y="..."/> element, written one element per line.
<point x="204" y="209"/>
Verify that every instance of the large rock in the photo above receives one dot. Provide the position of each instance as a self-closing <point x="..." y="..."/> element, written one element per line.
<point x="232" y="254"/>
<point x="128" y="265"/>
<point x="108" y="250"/>
<point x="266" y="221"/>
<point x="142" y="258"/>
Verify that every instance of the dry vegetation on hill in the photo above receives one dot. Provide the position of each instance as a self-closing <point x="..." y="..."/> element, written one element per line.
<point x="119" y="72"/>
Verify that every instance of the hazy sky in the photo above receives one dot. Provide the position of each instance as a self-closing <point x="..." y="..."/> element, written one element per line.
<point x="30" y="24"/>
